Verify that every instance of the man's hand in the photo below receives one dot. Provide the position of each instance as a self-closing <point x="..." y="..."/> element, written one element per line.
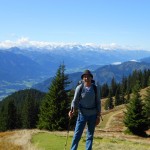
<point x="97" y="120"/>
<point x="71" y="113"/>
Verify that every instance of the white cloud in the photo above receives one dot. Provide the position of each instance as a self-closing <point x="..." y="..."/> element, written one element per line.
<point x="24" y="42"/>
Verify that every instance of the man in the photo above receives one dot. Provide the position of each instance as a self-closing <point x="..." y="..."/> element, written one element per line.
<point x="88" y="104"/>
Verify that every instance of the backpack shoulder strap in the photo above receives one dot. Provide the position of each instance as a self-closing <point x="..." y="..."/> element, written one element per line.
<point x="80" y="90"/>
<point x="95" y="90"/>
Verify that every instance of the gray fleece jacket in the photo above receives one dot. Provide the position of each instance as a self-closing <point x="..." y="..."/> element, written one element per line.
<point x="86" y="101"/>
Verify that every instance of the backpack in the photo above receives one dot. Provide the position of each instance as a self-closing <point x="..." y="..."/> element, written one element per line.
<point x="95" y="90"/>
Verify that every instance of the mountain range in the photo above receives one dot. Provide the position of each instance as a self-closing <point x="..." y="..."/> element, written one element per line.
<point x="101" y="75"/>
<point x="22" y="68"/>
<point x="76" y="58"/>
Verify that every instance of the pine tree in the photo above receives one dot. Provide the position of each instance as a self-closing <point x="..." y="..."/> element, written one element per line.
<point x="104" y="90"/>
<point x="147" y="104"/>
<point x="144" y="79"/>
<point x="113" y="86"/>
<point x="117" y="97"/>
<point x="29" y="113"/>
<point x="109" y="101"/>
<point x="54" y="108"/>
<point x="135" y="119"/>
<point x="129" y="87"/>
<point x="123" y="89"/>
<point x="127" y="97"/>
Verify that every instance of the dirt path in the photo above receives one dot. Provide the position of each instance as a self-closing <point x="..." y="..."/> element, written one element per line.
<point x="110" y="120"/>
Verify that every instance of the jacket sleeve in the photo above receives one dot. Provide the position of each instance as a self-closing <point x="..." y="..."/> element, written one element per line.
<point x="75" y="101"/>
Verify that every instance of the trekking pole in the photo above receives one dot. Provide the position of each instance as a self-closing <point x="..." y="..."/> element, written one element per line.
<point x="67" y="134"/>
<point x="68" y="131"/>
<point x="101" y="117"/>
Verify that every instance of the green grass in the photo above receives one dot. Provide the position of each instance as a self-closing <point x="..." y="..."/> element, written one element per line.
<point x="52" y="141"/>
<point x="118" y="144"/>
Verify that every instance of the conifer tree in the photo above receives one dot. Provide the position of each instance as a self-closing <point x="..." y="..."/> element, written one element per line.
<point x="29" y="113"/>
<point x="113" y="86"/>
<point x="127" y="97"/>
<point x="109" y="101"/>
<point x="117" y="97"/>
<point x="129" y="87"/>
<point x="135" y="119"/>
<point x="144" y="79"/>
<point x="104" y="90"/>
<point x="147" y="104"/>
<point x="54" y="108"/>
<point x="123" y="89"/>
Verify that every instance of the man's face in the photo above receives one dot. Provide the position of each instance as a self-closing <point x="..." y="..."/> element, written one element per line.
<point x="87" y="78"/>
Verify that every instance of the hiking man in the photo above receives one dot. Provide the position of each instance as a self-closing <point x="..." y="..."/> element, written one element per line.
<point x="87" y="101"/>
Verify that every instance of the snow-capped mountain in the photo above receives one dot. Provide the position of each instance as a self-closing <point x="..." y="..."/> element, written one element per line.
<point x="76" y="57"/>
<point x="34" y="64"/>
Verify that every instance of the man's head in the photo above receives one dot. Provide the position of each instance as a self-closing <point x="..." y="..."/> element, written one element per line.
<point x="87" y="76"/>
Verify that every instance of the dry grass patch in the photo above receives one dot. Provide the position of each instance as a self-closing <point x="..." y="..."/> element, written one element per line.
<point x="6" y="134"/>
<point x="5" y="144"/>
<point x="17" y="140"/>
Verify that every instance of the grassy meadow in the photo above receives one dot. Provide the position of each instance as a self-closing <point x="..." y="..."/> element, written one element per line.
<point x="109" y="135"/>
<point x="53" y="141"/>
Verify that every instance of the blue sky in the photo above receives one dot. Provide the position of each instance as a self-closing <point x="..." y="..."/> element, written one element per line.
<point x="121" y="22"/>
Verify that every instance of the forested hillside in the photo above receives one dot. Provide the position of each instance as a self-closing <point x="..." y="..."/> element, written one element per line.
<point x="20" y="110"/>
